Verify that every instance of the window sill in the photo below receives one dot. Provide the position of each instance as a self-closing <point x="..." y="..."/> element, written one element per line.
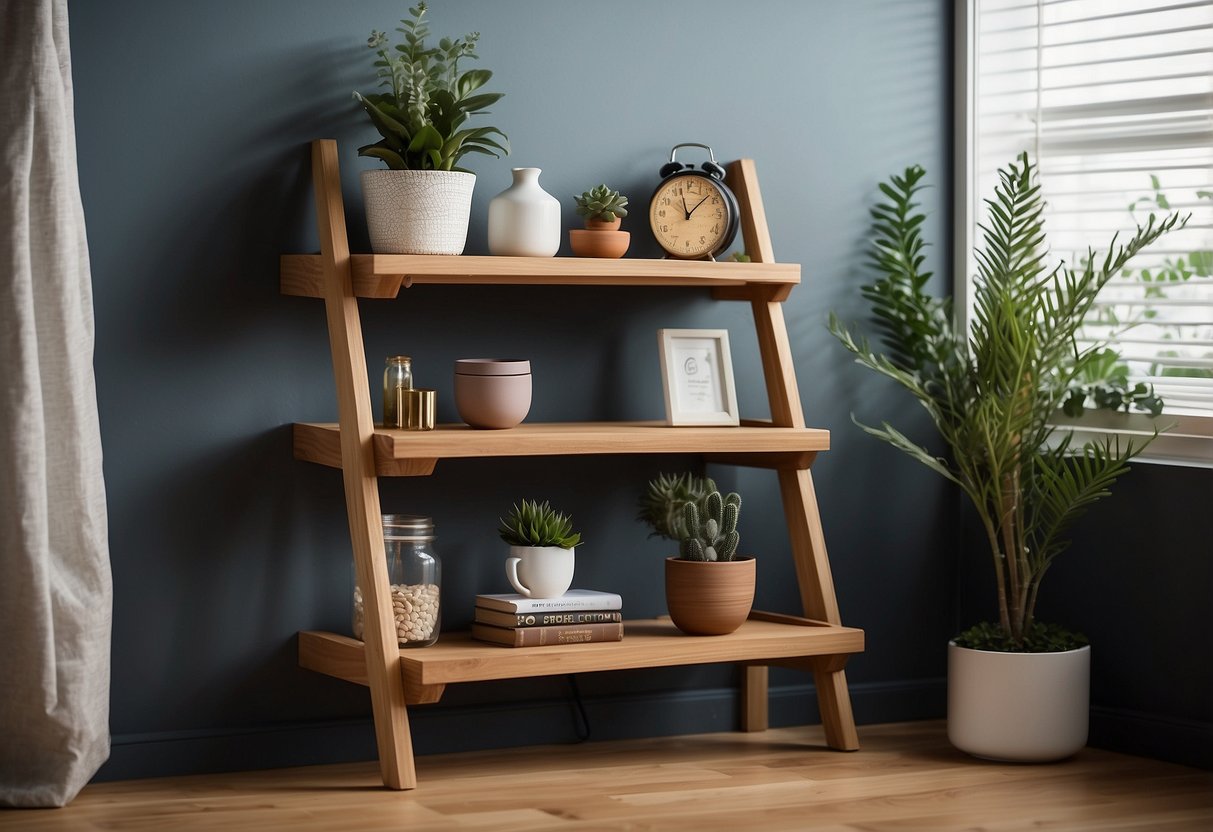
<point x="1185" y="437"/>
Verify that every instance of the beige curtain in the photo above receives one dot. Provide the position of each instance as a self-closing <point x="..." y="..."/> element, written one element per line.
<point x="55" y="594"/>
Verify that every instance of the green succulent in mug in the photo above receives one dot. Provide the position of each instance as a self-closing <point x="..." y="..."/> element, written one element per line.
<point x="532" y="523"/>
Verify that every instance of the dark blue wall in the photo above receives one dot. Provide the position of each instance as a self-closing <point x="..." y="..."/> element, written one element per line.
<point x="193" y="122"/>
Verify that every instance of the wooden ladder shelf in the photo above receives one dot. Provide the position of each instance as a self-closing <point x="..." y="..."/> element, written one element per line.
<point x="398" y="678"/>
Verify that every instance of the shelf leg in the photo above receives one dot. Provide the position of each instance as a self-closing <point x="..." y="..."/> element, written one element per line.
<point x="383" y="670"/>
<point x="834" y="702"/>
<point x="804" y="521"/>
<point x="754" y="698"/>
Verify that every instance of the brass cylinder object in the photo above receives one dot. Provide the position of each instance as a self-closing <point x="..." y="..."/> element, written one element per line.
<point x="416" y="408"/>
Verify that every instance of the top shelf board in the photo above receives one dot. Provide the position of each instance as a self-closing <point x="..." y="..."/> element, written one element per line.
<point x="382" y="275"/>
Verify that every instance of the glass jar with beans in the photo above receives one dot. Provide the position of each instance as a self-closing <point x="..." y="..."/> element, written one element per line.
<point x="414" y="573"/>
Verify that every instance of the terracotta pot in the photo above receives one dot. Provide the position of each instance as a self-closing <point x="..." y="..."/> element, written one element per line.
<point x="1019" y="707"/>
<point x="708" y="598"/>
<point x="593" y="243"/>
<point x="492" y="392"/>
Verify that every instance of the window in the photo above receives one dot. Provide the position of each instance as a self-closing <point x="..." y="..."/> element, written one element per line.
<point x="1114" y="101"/>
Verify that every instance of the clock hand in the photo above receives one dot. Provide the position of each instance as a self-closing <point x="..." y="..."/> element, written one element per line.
<point x="697" y="204"/>
<point x="684" y="208"/>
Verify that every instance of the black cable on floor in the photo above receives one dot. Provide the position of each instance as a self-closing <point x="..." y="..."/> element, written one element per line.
<point x="583" y="730"/>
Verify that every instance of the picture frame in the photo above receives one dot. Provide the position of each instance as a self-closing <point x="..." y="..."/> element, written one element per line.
<point x="697" y="374"/>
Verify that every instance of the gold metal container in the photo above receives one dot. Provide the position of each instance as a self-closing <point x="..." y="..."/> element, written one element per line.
<point x="416" y="408"/>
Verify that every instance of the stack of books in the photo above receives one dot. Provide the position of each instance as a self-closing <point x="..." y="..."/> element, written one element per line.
<point x="578" y="616"/>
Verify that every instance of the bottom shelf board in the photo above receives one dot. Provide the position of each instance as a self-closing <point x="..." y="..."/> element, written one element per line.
<point x="456" y="657"/>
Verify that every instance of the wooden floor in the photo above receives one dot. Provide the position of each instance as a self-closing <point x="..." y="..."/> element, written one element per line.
<point x="907" y="777"/>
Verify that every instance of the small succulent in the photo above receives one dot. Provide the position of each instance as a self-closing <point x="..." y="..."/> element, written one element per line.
<point x="538" y="524"/>
<point x="712" y="529"/>
<point x="661" y="506"/>
<point x="601" y="203"/>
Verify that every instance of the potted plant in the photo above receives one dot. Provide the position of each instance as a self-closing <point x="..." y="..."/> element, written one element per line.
<point x="1017" y="688"/>
<point x="541" y="542"/>
<point x="709" y="589"/>
<point x="420" y="204"/>
<point x="603" y="210"/>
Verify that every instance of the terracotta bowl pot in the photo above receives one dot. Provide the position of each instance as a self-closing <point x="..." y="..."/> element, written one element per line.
<point x="707" y="598"/>
<point x="590" y="243"/>
<point x="492" y="393"/>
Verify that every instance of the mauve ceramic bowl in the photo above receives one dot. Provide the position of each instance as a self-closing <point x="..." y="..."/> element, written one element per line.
<point x="492" y="392"/>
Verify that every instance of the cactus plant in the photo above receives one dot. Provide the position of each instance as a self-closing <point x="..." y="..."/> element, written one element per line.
<point x="661" y="506"/>
<point x="711" y="528"/>
<point x="601" y="203"/>
<point x="538" y="524"/>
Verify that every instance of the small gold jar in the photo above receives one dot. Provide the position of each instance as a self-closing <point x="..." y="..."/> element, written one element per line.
<point x="416" y="408"/>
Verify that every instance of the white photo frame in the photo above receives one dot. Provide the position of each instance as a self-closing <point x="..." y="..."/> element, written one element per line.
<point x="697" y="374"/>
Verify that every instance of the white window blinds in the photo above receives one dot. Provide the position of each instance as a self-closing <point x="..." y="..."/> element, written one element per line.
<point x="1114" y="100"/>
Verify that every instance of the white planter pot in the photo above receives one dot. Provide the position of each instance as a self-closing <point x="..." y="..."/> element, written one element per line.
<point x="1018" y="707"/>
<point x="540" y="571"/>
<point x="417" y="211"/>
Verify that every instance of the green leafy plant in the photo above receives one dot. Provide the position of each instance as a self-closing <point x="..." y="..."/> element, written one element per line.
<point x="689" y="509"/>
<point x="992" y="390"/>
<point x="712" y="530"/>
<point x="601" y="203"/>
<point x="1106" y="384"/>
<point x="533" y="523"/>
<point x="428" y="100"/>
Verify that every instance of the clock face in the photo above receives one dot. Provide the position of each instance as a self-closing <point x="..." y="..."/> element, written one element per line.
<point x="689" y="216"/>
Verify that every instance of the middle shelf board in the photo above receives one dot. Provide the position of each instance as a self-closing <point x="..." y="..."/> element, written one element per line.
<point x="646" y="643"/>
<point x="409" y="452"/>
<point x="382" y="275"/>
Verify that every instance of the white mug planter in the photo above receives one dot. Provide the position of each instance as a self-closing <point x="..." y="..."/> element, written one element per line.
<point x="1018" y="707"/>
<point x="540" y="571"/>
<point x="417" y="211"/>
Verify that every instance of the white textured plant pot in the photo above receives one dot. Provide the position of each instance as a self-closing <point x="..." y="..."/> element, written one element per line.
<point x="417" y="211"/>
<point x="524" y="219"/>
<point x="1018" y="707"/>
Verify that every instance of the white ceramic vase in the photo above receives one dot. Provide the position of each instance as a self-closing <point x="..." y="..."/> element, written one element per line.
<point x="524" y="219"/>
<point x="417" y="211"/>
<point x="1018" y="707"/>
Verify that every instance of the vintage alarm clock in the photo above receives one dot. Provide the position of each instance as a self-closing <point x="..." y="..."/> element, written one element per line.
<point x="693" y="214"/>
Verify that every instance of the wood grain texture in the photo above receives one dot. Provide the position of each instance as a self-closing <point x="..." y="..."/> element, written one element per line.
<point x="808" y="546"/>
<point x="742" y="178"/>
<point x="754" y="698"/>
<point x="783" y="394"/>
<point x="907" y="779"/>
<point x="320" y="443"/>
<point x="358" y="471"/>
<point x="383" y="275"/>
<point x="646" y="643"/>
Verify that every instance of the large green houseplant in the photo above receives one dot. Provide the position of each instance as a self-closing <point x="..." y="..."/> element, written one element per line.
<point x="993" y="388"/>
<point x="420" y="204"/>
